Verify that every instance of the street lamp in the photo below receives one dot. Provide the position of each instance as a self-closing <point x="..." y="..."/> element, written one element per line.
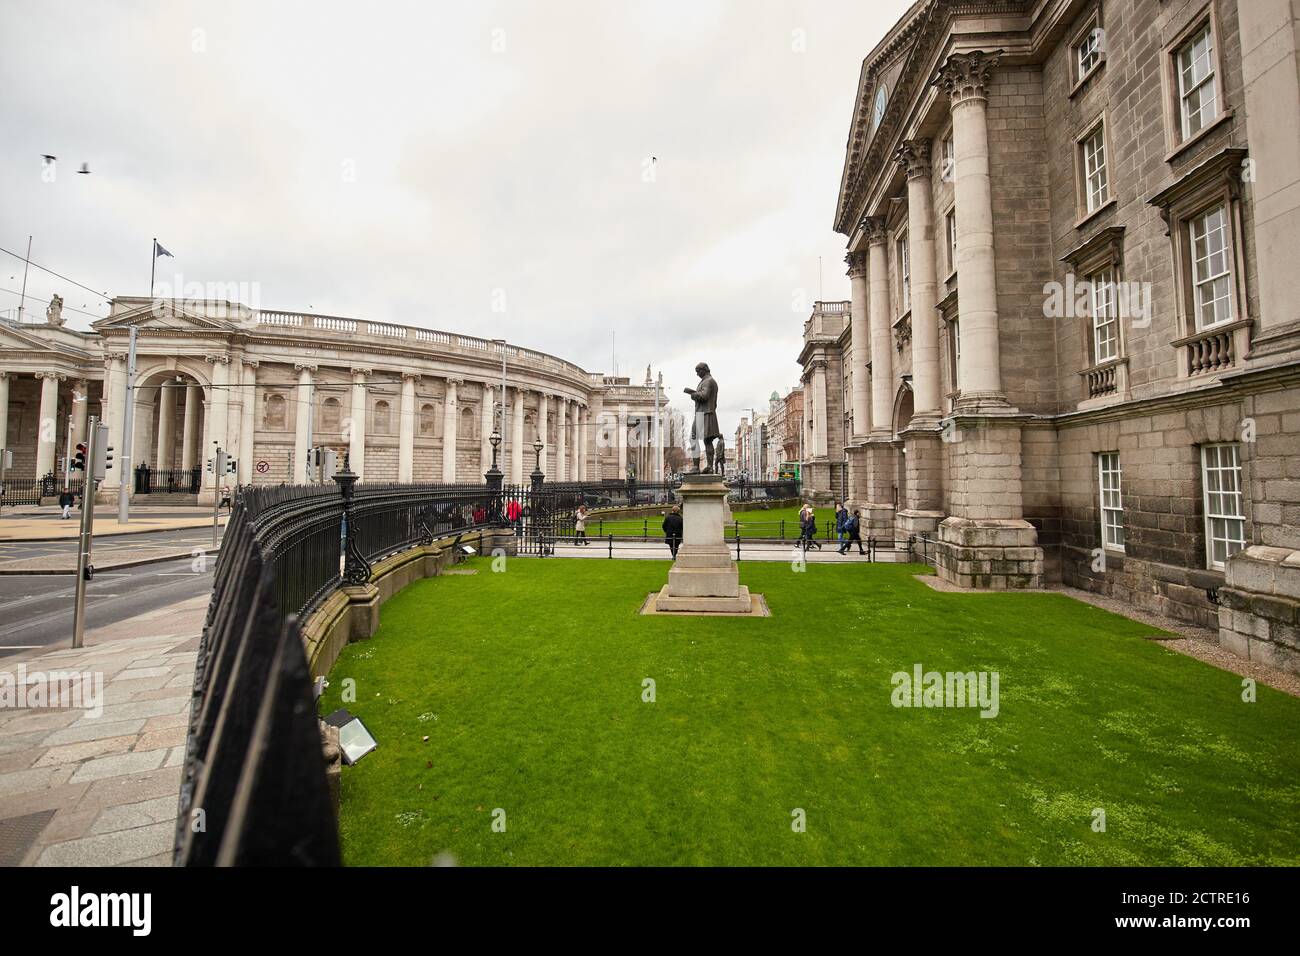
<point x="495" y="441"/>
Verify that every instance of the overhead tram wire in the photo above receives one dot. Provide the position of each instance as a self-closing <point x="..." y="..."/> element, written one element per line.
<point x="103" y="295"/>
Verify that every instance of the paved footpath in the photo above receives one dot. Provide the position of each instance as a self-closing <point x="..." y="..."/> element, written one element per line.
<point x="45" y="525"/>
<point x="83" y="790"/>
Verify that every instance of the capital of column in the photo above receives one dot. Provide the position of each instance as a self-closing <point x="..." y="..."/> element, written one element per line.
<point x="217" y="359"/>
<point x="412" y="377"/>
<point x="857" y="263"/>
<point x="451" y="380"/>
<point x="965" y="76"/>
<point x="57" y="376"/>
<point x="305" y="368"/>
<point x="876" y="230"/>
<point x="914" y="156"/>
<point x="251" y="363"/>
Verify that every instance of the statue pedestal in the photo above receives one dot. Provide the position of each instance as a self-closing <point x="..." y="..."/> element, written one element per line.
<point x="704" y="579"/>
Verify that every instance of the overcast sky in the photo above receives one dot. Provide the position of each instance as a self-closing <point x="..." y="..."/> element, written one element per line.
<point x="426" y="163"/>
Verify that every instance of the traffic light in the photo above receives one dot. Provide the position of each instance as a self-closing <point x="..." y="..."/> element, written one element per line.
<point x="232" y="465"/>
<point x="103" y="454"/>
<point x="79" y="458"/>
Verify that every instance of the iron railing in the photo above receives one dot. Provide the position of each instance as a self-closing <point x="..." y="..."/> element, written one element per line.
<point x="30" y="491"/>
<point x="183" y="481"/>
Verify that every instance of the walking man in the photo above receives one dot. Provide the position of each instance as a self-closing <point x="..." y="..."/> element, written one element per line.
<point x="66" y="501"/>
<point x="841" y="531"/>
<point x="673" y="530"/>
<point x="853" y="528"/>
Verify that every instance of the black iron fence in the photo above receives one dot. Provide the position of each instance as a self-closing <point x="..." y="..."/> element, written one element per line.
<point x="183" y="481"/>
<point x="30" y="491"/>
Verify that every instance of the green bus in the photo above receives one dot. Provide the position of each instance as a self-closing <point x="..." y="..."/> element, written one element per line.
<point x="789" y="471"/>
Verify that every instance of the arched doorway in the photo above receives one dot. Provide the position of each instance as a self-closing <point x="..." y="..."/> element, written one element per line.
<point x="167" y="444"/>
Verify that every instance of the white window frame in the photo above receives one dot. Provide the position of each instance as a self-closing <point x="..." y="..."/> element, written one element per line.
<point x="1223" y="500"/>
<point x="1190" y="86"/>
<point x="950" y="230"/>
<point x="1104" y="310"/>
<point x="1206" y="278"/>
<point x="904" y="275"/>
<point x="1096" y="176"/>
<point x="1087" y="47"/>
<point x="1110" y="500"/>
<point x="949" y="171"/>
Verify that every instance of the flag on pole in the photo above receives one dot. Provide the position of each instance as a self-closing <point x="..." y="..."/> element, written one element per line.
<point x="158" y="250"/>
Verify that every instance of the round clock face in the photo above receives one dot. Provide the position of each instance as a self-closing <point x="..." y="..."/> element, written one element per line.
<point x="878" y="111"/>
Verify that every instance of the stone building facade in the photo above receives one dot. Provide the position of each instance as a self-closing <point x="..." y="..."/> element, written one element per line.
<point x="1072" y="349"/>
<point x="403" y="404"/>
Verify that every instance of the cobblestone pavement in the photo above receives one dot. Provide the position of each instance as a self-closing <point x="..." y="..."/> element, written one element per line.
<point x="80" y="789"/>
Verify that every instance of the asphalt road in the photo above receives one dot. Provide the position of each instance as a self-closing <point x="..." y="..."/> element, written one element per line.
<point x="120" y="544"/>
<point x="36" y="609"/>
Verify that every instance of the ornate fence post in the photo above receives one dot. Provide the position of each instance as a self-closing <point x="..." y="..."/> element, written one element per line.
<point x="356" y="569"/>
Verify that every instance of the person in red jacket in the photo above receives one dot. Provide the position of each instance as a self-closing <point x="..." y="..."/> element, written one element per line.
<point x="514" y="515"/>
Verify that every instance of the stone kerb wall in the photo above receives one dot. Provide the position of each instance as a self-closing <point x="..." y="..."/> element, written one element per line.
<point x="352" y="613"/>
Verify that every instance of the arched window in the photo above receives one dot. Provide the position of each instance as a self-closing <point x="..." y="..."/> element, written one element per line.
<point x="468" y="423"/>
<point x="274" y="413"/>
<point x="331" y="415"/>
<point x="382" y="418"/>
<point x="429" y="420"/>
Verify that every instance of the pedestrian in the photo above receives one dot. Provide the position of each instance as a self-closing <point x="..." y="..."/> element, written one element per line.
<point x="842" y="519"/>
<point x="515" y="516"/>
<point x="854" y="528"/>
<point x="66" y="500"/>
<point x="580" y="527"/>
<point x="480" y="514"/>
<point x="808" y="528"/>
<point x="673" y="530"/>
<point x="227" y="500"/>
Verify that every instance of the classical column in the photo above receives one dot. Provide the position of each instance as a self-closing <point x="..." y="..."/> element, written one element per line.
<point x="247" y="421"/>
<point x="47" y="424"/>
<point x="517" y="438"/>
<point x="543" y="430"/>
<point x="621" y="438"/>
<point x="882" y="345"/>
<point x="965" y="76"/>
<point x="80" y="412"/>
<point x="859" y="333"/>
<point x="406" y="429"/>
<point x="450" y="419"/>
<point x="4" y="410"/>
<point x="591" y="437"/>
<point x="357" y="412"/>
<point x="561" y="439"/>
<point x="486" y="424"/>
<point x="914" y="156"/>
<point x="218" y="414"/>
<point x="189" y="428"/>
<point x="302" y="423"/>
<point x="166" y="451"/>
<point x="584" y="414"/>
<point x="821" y="447"/>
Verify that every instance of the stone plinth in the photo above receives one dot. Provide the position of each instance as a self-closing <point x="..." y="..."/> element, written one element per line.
<point x="990" y="553"/>
<point x="704" y="578"/>
<point x="1259" y="607"/>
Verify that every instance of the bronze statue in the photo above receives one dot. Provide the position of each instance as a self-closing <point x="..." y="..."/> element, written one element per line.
<point x="705" y="426"/>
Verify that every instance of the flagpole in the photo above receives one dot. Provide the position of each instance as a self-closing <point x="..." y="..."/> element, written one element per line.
<point x="153" y="264"/>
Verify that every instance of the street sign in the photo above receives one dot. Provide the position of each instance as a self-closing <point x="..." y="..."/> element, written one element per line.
<point x="263" y="467"/>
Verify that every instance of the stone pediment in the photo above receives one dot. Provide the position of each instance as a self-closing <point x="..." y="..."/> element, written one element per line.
<point x="39" y="338"/>
<point x="168" y="315"/>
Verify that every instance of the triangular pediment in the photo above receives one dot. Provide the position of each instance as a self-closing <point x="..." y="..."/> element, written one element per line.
<point x="38" y="338"/>
<point x="168" y="314"/>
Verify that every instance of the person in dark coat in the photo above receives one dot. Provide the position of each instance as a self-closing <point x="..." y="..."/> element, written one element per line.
<point x="673" y="530"/>
<point x="853" y="528"/>
<point x="66" y="501"/>
<point x="808" y="528"/>
<point x="842" y="519"/>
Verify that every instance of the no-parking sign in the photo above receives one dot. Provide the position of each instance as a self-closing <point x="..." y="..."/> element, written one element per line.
<point x="263" y="467"/>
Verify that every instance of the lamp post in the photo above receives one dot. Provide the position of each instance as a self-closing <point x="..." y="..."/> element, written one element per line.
<point x="537" y="475"/>
<point x="493" y="476"/>
<point x="356" y="569"/>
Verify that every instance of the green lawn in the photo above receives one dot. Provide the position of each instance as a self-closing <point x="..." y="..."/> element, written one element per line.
<point x="765" y="523"/>
<point x="528" y="684"/>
